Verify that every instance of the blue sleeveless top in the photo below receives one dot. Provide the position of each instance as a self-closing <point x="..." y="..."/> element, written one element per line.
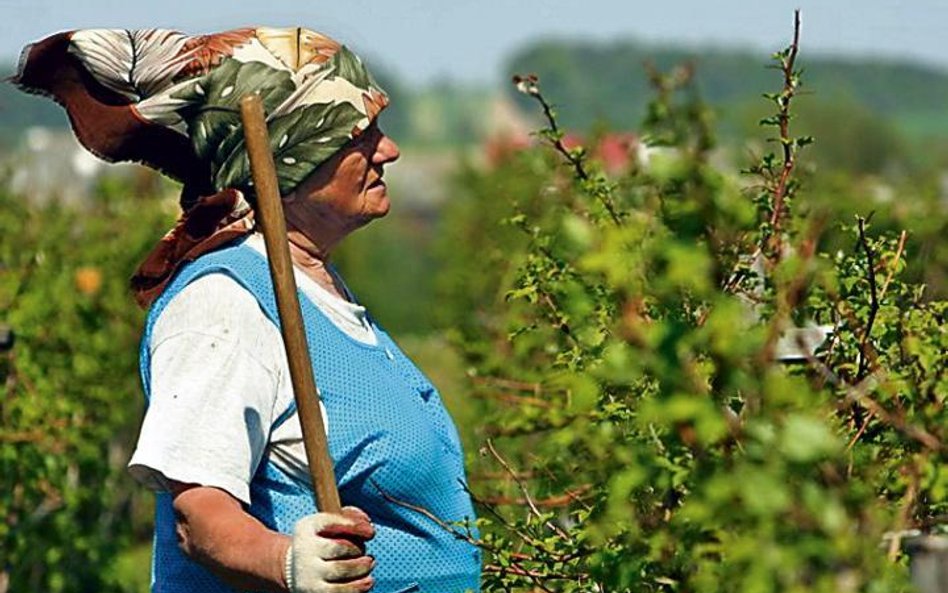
<point x="389" y="437"/>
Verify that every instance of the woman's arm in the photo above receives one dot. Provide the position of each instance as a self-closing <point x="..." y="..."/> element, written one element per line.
<point x="212" y="402"/>
<point x="215" y="531"/>
<point x="326" y="552"/>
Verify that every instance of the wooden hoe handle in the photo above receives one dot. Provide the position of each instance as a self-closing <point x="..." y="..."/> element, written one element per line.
<point x="270" y="211"/>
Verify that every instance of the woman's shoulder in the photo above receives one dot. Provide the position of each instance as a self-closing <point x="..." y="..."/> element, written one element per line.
<point x="215" y="304"/>
<point x="230" y="270"/>
<point x="237" y="258"/>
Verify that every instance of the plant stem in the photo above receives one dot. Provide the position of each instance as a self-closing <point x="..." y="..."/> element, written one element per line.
<point x="873" y="299"/>
<point x="783" y="117"/>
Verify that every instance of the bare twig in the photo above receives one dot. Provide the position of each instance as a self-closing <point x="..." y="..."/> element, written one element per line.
<point x="859" y="433"/>
<point x="525" y="537"/>
<point x="574" y="495"/>
<point x="535" y="576"/>
<point x="895" y="264"/>
<point x="908" y="501"/>
<point x="873" y="299"/>
<point x="858" y="394"/>
<point x="575" y="161"/>
<point x="562" y="500"/>
<point x="526" y="493"/>
<point x="529" y="85"/>
<point x="536" y="388"/>
<point x="425" y="512"/>
<point x="514" y="399"/>
<point x="499" y="475"/>
<point x="505" y="383"/>
<point x="531" y="573"/>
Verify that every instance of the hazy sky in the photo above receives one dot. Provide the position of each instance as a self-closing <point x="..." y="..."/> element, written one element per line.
<point x="421" y="40"/>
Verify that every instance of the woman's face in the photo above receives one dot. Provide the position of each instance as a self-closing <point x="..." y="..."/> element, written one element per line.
<point x="348" y="188"/>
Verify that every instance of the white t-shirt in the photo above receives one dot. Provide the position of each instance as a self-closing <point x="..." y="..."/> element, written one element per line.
<point x="219" y="379"/>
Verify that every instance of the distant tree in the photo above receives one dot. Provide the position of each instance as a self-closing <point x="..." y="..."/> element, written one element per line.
<point x="607" y="81"/>
<point x="851" y="137"/>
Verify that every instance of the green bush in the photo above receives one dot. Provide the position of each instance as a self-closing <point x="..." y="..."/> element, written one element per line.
<point x="645" y="429"/>
<point x="72" y="398"/>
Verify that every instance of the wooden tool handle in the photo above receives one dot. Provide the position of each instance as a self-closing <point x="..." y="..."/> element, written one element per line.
<point x="270" y="212"/>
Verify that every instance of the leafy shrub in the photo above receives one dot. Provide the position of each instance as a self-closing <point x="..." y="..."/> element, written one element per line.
<point x="72" y="399"/>
<point x="653" y="423"/>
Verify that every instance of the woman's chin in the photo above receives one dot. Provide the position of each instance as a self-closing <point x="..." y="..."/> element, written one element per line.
<point x="377" y="202"/>
<point x="375" y="208"/>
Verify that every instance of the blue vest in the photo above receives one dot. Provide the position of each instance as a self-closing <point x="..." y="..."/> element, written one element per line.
<point x="388" y="433"/>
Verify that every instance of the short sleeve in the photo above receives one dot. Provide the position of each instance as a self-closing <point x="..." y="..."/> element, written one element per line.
<point x="215" y="390"/>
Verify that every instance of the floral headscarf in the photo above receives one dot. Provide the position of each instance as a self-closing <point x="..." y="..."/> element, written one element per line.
<point x="171" y="101"/>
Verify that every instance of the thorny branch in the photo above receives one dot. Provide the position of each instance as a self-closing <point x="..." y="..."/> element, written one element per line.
<point x="908" y="501"/>
<point x="526" y="492"/>
<point x="562" y="500"/>
<point x="529" y="573"/>
<point x="536" y="577"/>
<point x="529" y="85"/>
<point x="771" y="242"/>
<point x="895" y="264"/>
<point x="517" y="400"/>
<point x="873" y="298"/>
<point x="425" y="512"/>
<point x="859" y="394"/>
<point x="787" y="65"/>
<point x="525" y="537"/>
<point x="513" y="384"/>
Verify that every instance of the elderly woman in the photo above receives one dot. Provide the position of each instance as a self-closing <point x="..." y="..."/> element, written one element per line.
<point x="220" y="440"/>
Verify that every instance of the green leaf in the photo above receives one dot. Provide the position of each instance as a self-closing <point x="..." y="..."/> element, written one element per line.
<point x="805" y="439"/>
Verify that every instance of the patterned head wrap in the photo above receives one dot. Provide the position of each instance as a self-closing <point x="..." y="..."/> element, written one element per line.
<point x="171" y="101"/>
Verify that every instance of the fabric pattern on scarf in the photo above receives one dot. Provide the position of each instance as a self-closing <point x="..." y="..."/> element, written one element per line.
<point x="171" y="102"/>
<point x="122" y="88"/>
<point x="214" y="221"/>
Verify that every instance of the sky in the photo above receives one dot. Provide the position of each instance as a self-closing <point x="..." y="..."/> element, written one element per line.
<point x="466" y="40"/>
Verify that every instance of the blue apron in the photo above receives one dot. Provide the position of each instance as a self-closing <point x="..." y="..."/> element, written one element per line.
<point x="389" y="437"/>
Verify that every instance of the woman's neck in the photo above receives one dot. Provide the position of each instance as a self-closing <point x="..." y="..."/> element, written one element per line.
<point x="313" y="260"/>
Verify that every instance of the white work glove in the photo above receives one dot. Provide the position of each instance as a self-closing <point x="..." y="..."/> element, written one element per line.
<point x="328" y="553"/>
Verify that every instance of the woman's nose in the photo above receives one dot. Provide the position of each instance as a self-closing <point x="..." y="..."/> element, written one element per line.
<point x="386" y="151"/>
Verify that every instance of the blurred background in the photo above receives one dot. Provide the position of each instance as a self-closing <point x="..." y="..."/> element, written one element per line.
<point x="73" y="228"/>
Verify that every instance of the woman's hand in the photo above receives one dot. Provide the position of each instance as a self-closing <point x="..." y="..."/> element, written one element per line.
<point x="328" y="553"/>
